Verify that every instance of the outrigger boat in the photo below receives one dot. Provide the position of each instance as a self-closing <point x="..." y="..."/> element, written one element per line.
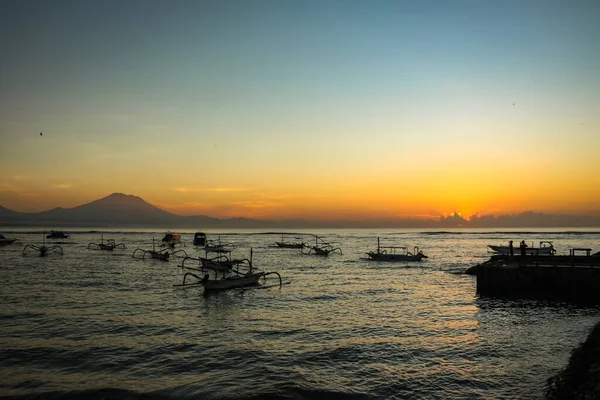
<point x="199" y="239"/>
<point x="110" y="245"/>
<point x="290" y="245"/>
<point x="57" y="235"/>
<point x="322" y="248"/>
<point x="243" y="276"/>
<point x="157" y="255"/>
<point x="221" y="262"/>
<point x="546" y="249"/>
<point x="395" y="253"/>
<point x="43" y="250"/>
<point x="171" y="240"/>
<point x="6" y="241"/>
<point x="216" y="246"/>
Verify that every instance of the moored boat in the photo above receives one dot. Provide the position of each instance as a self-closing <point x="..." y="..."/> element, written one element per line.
<point x="546" y="248"/>
<point x="322" y="248"/>
<point x="216" y="246"/>
<point x="199" y="239"/>
<point x="233" y="281"/>
<point x="221" y="278"/>
<point x="57" y="235"/>
<point x="171" y="240"/>
<point x="395" y="253"/>
<point x="290" y="245"/>
<point x="4" y="241"/>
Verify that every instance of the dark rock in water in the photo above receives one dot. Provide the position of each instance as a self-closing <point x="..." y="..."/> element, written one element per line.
<point x="581" y="377"/>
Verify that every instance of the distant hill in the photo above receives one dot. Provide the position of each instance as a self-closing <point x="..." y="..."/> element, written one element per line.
<point x="5" y="212"/>
<point x="122" y="210"/>
<point x="119" y="210"/>
<point x="114" y="208"/>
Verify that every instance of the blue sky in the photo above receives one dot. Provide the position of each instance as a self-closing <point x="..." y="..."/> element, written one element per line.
<point x="302" y="86"/>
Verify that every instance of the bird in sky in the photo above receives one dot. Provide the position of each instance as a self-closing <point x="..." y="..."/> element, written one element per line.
<point x="41" y="134"/>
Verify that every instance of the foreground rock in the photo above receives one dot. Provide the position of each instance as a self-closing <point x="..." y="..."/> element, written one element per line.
<point x="581" y="377"/>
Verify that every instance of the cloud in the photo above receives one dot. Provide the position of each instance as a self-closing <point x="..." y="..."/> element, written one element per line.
<point x="7" y="187"/>
<point x="63" y="186"/>
<point x="223" y="189"/>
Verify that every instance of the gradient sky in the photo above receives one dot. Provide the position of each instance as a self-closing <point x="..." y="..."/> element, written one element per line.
<point x="319" y="110"/>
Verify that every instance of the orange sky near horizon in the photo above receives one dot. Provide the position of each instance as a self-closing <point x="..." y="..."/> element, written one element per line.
<point x="321" y="112"/>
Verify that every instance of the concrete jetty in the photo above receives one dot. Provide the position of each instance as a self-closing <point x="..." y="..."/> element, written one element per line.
<point x="574" y="277"/>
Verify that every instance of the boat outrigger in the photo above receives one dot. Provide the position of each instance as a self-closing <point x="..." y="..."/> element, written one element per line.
<point x="221" y="262"/>
<point x="43" y="250"/>
<point x="546" y="248"/>
<point x="290" y="245"/>
<point x="108" y="245"/>
<point x="243" y="276"/>
<point x="395" y="253"/>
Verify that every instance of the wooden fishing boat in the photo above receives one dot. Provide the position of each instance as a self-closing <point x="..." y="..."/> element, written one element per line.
<point x="162" y="255"/>
<point x="546" y="248"/>
<point x="290" y="245"/>
<point x="108" y="245"/>
<point x="4" y="241"/>
<point x="395" y="253"/>
<point x="199" y="239"/>
<point x="322" y="248"/>
<point x="233" y="281"/>
<point x="215" y="279"/>
<point x="216" y="246"/>
<point x="57" y="235"/>
<point x="171" y="240"/>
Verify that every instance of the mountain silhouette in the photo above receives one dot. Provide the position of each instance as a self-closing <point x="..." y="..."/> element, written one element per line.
<point x="116" y="205"/>
<point x="121" y="210"/>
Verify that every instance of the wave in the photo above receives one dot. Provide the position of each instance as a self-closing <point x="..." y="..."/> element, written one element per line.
<point x="525" y="232"/>
<point x="284" y="393"/>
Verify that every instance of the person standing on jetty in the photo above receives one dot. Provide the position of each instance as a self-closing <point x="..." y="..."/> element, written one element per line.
<point x="510" y="248"/>
<point x="523" y="248"/>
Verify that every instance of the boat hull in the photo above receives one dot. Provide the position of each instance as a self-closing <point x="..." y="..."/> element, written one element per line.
<point x="232" y="282"/>
<point x="220" y="266"/>
<point x="6" y="242"/>
<point x="542" y="251"/>
<point x="290" y="245"/>
<point x="160" y="256"/>
<point x="395" y="257"/>
<point x="57" y="236"/>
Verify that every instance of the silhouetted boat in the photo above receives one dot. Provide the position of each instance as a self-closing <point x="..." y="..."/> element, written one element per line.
<point x="6" y="241"/>
<point x="322" y="248"/>
<point x="241" y="277"/>
<point x="171" y="239"/>
<point x="216" y="246"/>
<point x="290" y="245"/>
<point x="395" y="253"/>
<point x="199" y="239"/>
<point x="546" y="249"/>
<point x="57" y="235"/>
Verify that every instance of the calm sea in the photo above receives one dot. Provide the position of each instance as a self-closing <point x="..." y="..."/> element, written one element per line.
<point x="95" y="324"/>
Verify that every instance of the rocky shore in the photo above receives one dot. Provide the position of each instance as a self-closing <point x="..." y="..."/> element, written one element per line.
<point x="581" y="377"/>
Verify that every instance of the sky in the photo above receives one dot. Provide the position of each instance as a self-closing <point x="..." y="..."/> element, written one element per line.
<point x="302" y="109"/>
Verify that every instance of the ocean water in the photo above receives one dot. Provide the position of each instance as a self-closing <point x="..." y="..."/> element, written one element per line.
<point x="93" y="324"/>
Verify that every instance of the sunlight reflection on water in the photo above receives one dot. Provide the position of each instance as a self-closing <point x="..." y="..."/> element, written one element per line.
<point x="93" y="320"/>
